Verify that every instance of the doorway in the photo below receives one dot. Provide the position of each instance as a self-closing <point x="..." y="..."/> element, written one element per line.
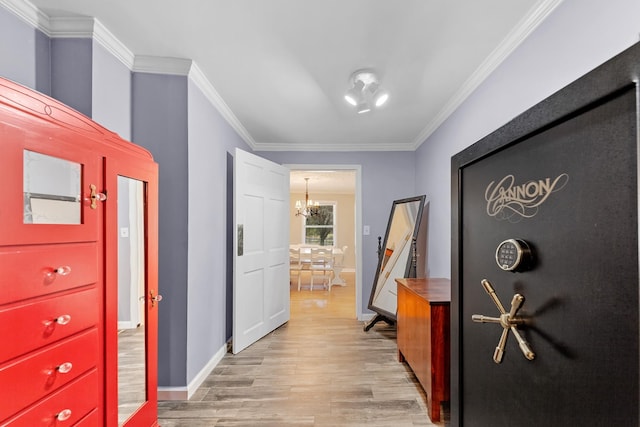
<point x="337" y="185"/>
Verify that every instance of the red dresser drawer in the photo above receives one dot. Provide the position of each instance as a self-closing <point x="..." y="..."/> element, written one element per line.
<point x="31" y="270"/>
<point x="63" y="408"/>
<point x="91" y="420"/>
<point x="44" y="371"/>
<point x="28" y="327"/>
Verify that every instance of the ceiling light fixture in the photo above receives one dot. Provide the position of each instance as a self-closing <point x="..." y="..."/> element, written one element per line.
<point x="353" y="95"/>
<point x="365" y="91"/>
<point x="310" y="208"/>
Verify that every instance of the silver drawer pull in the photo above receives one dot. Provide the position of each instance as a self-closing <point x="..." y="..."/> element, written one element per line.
<point x="63" y="320"/>
<point x="63" y="415"/>
<point x="65" y="368"/>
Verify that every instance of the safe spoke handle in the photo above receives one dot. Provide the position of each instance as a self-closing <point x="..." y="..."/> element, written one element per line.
<point x="524" y="345"/>
<point x="492" y="294"/>
<point x="499" y="351"/>
<point x="479" y="318"/>
<point x="509" y="322"/>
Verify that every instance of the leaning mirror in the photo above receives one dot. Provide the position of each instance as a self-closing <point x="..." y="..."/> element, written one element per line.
<point x="397" y="257"/>
<point x="132" y="391"/>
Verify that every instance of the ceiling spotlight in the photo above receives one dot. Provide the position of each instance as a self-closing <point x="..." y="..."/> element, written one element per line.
<point x="381" y="98"/>
<point x="354" y="94"/>
<point x="351" y="98"/>
<point x="363" y="108"/>
<point x="365" y="91"/>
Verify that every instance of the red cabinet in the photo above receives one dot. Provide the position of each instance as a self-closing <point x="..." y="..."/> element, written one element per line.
<point x="59" y="265"/>
<point x="40" y="322"/>
<point x="45" y="269"/>
<point x="46" y="370"/>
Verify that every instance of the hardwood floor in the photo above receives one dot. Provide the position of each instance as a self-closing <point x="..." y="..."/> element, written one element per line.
<point x="319" y="369"/>
<point x="131" y="371"/>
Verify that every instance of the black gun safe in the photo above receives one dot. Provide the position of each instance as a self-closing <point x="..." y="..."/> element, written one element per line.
<point x="545" y="261"/>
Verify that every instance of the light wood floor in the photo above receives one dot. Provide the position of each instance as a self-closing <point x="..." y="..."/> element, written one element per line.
<point x="319" y="369"/>
<point x="131" y="371"/>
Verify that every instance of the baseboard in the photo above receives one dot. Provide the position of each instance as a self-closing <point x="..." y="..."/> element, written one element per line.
<point x="127" y="325"/>
<point x="185" y="393"/>
<point x="365" y="317"/>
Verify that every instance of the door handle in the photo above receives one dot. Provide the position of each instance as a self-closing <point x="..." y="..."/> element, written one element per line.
<point x="154" y="298"/>
<point x="509" y="322"/>
<point x="96" y="197"/>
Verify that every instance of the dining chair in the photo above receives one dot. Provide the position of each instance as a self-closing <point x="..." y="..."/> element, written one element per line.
<point x="321" y="265"/>
<point x="295" y="265"/>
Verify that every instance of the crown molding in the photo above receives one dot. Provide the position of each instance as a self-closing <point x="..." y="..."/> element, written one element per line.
<point x="197" y="76"/>
<point x="320" y="147"/>
<point x="89" y="27"/>
<point x="161" y="65"/>
<point x="113" y="45"/>
<point x="71" y="27"/>
<point x="520" y="32"/>
<point x="28" y="12"/>
<point x="62" y="27"/>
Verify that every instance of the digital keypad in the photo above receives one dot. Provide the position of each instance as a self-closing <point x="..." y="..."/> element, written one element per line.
<point x="513" y="254"/>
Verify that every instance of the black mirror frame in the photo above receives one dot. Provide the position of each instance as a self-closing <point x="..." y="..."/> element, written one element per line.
<point x="383" y="314"/>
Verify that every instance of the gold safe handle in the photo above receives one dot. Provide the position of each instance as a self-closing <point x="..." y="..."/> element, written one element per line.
<point x="509" y="322"/>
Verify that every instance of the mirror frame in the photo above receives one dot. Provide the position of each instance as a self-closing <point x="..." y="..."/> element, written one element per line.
<point x="146" y="172"/>
<point x="383" y="313"/>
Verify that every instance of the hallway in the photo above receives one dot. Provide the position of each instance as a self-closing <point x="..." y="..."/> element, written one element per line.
<point x="319" y="369"/>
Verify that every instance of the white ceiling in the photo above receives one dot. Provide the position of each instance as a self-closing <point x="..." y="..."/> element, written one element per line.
<point x="323" y="181"/>
<point x="280" y="68"/>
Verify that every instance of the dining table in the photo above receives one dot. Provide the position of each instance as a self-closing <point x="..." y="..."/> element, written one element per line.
<point x="337" y="253"/>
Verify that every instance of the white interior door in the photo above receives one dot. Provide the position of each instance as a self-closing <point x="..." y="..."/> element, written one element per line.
<point x="261" y="248"/>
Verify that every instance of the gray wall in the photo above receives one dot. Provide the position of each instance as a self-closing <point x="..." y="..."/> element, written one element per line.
<point x="160" y="125"/>
<point x="577" y="37"/>
<point x="111" y="92"/>
<point x="24" y="53"/>
<point x="211" y="140"/>
<point x="71" y="73"/>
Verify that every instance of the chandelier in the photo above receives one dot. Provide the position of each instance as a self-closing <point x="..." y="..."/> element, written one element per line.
<point x="310" y="208"/>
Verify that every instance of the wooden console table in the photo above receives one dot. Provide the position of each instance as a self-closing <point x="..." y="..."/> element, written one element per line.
<point x="423" y="336"/>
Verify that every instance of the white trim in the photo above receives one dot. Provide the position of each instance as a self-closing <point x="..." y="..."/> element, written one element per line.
<point x="205" y="86"/>
<point x="360" y="315"/>
<point x="339" y="147"/>
<point x="28" y="12"/>
<point x="366" y="317"/>
<point x="162" y="65"/>
<point x="185" y="393"/>
<point x="112" y="44"/>
<point x="71" y="27"/>
<point x="128" y="324"/>
<point x="519" y="33"/>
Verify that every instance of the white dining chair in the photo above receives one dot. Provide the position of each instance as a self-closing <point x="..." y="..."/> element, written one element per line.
<point x="295" y="265"/>
<point x="321" y="265"/>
